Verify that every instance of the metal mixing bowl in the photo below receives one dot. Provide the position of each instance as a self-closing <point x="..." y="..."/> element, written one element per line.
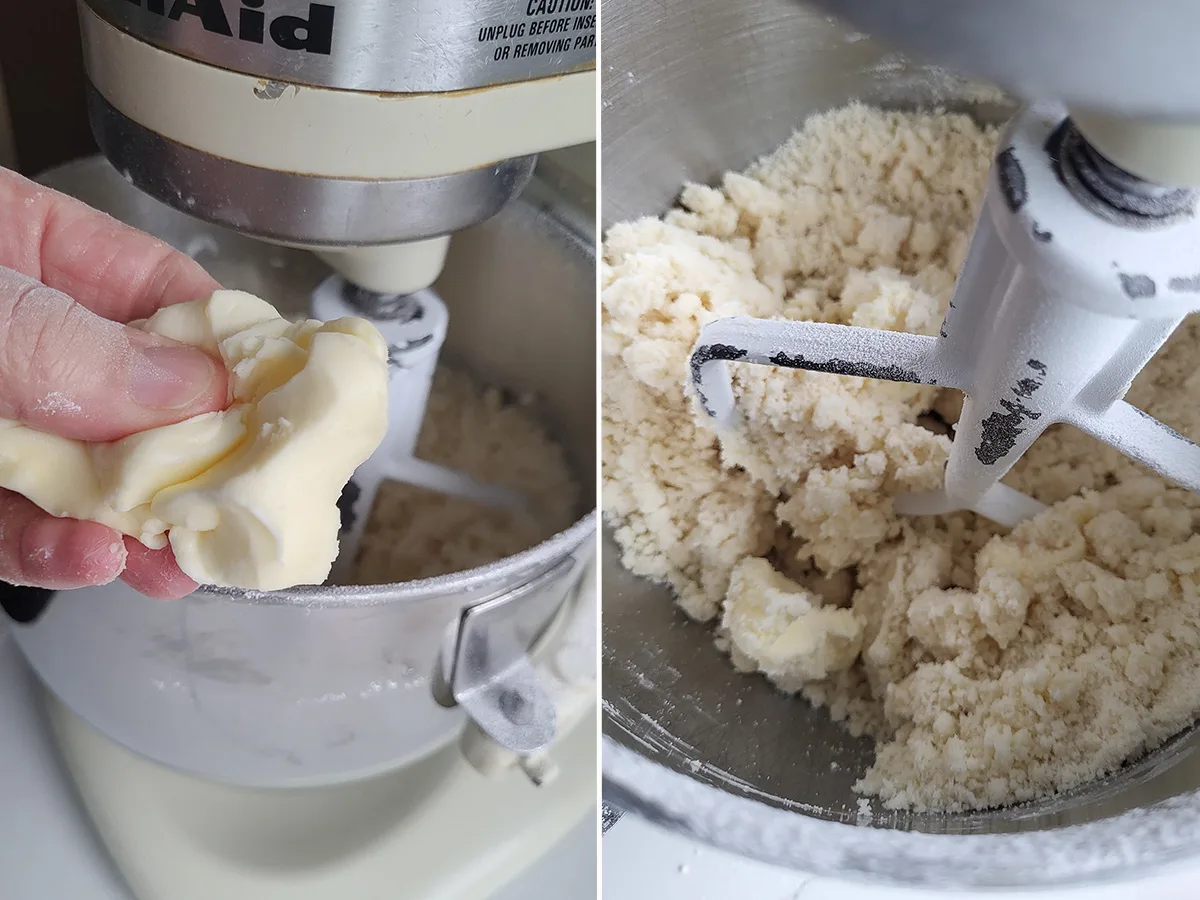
<point x="689" y="742"/>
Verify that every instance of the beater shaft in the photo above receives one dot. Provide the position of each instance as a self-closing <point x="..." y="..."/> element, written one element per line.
<point x="414" y="327"/>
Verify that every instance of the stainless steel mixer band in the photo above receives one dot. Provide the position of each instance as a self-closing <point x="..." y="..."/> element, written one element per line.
<point x="419" y="46"/>
<point x="302" y="209"/>
<point x="1121" y="56"/>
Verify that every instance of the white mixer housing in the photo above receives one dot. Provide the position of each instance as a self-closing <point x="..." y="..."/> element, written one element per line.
<point x="334" y="128"/>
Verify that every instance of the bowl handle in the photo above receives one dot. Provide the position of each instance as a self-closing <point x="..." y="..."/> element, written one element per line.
<point x="520" y="698"/>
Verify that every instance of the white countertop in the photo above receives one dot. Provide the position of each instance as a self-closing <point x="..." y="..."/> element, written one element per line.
<point x="643" y="862"/>
<point x="48" y="850"/>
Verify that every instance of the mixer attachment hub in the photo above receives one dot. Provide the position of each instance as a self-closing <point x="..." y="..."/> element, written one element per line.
<point x="1055" y="312"/>
<point x="399" y="308"/>
<point x="1111" y="192"/>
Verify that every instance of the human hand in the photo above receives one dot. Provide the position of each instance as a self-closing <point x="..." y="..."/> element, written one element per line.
<point x="69" y="278"/>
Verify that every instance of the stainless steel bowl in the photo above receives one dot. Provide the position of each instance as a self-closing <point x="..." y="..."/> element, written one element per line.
<point x="689" y="742"/>
<point x="318" y="685"/>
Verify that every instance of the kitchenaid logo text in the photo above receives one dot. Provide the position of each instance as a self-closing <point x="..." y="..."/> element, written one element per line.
<point x="312" y="33"/>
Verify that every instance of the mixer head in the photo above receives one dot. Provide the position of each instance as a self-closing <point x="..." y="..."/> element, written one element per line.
<point x="368" y="133"/>
<point x="1077" y="273"/>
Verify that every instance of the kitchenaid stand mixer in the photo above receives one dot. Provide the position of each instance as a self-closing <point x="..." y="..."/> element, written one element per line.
<point x="367" y="134"/>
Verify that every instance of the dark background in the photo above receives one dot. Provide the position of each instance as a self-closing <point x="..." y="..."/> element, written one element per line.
<point x="42" y="63"/>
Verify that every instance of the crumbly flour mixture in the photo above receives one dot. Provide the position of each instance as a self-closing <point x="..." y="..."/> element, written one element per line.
<point x="991" y="668"/>
<point x="414" y="533"/>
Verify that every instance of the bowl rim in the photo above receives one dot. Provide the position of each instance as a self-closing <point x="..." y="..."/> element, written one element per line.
<point x="519" y="568"/>
<point x="1124" y="847"/>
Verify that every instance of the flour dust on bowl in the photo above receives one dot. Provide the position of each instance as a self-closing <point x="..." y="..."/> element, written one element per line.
<point x="934" y="700"/>
<point x="325" y="685"/>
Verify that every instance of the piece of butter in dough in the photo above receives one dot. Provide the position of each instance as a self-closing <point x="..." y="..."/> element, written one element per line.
<point x="247" y="497"/>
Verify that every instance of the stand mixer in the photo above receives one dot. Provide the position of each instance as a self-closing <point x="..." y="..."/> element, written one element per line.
<point x="365" y="134"/>
<point x="1079" y="269"/>
<point x="421" y="739"/>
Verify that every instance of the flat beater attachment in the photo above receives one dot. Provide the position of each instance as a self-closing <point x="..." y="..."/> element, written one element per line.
<point x="414" y="326"/>
<point x="1070" y="286"/>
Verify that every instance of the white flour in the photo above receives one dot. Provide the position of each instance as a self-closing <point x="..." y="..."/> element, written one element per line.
<point x="414" y="533"/>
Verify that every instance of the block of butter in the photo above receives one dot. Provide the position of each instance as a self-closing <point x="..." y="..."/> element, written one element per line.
<point x="246" y="497"/>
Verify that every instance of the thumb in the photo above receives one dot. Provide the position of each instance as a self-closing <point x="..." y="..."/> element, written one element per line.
<point x="66" y="370"/>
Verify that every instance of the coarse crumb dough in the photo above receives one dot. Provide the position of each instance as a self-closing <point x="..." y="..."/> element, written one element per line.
<point x="991" y="668"/>
<point x="414" y="533"/>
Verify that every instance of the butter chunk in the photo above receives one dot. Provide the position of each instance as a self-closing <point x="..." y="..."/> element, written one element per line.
<point x="780" y="628"/>
<point x="246" y="497"/>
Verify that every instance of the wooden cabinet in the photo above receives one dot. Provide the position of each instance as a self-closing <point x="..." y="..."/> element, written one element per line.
<point x="42" y="65"/>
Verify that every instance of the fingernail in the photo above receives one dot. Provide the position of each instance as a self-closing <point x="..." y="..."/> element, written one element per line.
<point x="170" y="377"/>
